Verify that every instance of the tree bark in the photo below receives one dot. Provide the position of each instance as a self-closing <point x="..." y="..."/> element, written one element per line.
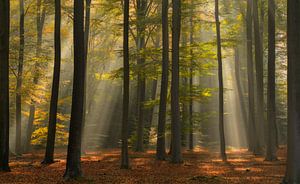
<point x="175" y="112"/>
<point x="49" y="155"/>
<point x="125" y="123"/>
<point x="4" y="84"/>
<point x="221" y="86"/>
<point x="293" y="27"/>
<point x="141" y="15"/>
<point x="73" y="169"/>
<point x="259" y="81"/>
<point x="271" y="147"/>
<point x="161" y="144"/>
<point x="19" y="81"/>
<point x="250" y="73"/>
<point x="191" y="126"/>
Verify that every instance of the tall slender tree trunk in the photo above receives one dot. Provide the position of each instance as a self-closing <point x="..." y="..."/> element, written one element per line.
<point x="4" y="84"/>
<point x="40" y="20"/>
<point x="125" y="123"/>
<point x="141" y="15"/>
<point x="250" y="73"/>
<point x="161" y="143"/>
<point x="293" y="27"/>
<point x="191" y="126"/>
<point x="221" y="86"/>
<point x="73" y="169"/>
<point x="49" y="155"/>
<point x="271" y="147"/>
<point x="259" y="81"/>
<point x="19" y="81"/>
<point x="86" y="50"/>
<point x="175" y="111"/>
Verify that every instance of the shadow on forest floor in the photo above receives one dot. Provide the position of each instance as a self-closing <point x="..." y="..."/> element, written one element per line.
<point x="198" y="167"/>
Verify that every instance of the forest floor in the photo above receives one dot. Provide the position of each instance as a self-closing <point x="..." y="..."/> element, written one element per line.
<point x="198" y="167"/>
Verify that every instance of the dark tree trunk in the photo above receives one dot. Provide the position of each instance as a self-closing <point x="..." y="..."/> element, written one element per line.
<point x="259" y="81"/>
<point x="49" y="155"/>
<point x="271" y="147"/>
<point x="221" y="86"/>
<point x="161" y="145"/>
<point x="250" y="73"/>
<point x="73" y="169"/>
<point x="141" y="15"/>
<point x="4" y="85"/>
<point x="175" y="111"/>
<point x="125" y="123"/>
<point x="293" y="159"/>
<point x="40" y="20"/>
<point x="19" y="81"/>
<point x="191" y="126"/>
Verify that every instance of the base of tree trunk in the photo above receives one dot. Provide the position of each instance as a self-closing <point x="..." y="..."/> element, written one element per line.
<point x="161" y="157"/>
<point x="124" y="166"/>
<point x="5" y="169"/>
<point x="73" y="175"/>
<point x="271" y="158"/>
<point x="48" y="161"/>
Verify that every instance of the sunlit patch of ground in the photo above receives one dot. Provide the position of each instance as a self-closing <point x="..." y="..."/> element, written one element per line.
<point x="198" y="167"/>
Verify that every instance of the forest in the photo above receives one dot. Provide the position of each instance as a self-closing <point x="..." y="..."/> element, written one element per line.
<point x="150" y="91"/>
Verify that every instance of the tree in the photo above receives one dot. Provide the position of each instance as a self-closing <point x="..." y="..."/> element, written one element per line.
<point x="73" y="169"/>
<point x="250" y="73"/>
<point x="161" y="144"/>
<point x="259" y="80"/>
<point x="124" y="153"/>
<point x="191" y="126"/>
<point x="271" y="131"/>
<point x="175" y="111"/>
<point x="55" y="88"/>
<point x="20" y="80"/>
<point x="4" y="84"/>
<point x="141" y="44"/>
<point x="221" y="86"/>
<point x="293" y="45"/>
<point x="40" y="22"/>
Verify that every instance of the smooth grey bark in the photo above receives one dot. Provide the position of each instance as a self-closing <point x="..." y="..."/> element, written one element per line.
<point x="4" y="84"/>
<point x="126" y="84"/>
<point x="161" y="145"/>
<point x="49" y="155"/>
<point x="73" y="169"/>
<point x="18" y="148"/>
<point x="175" y="112"/>
<point x="293" y="26"/>
<point x="271" y="147"/>
<point x="221" y="85"/>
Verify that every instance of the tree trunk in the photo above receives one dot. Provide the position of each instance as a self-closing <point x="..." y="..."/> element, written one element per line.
<point x="86" y="50"/>
<point x="125" y="123"/>
<point x="40" y="26"/>
<point x="49" y="155"/>
<point x="73" y="169"/>
<point x="141" y="15"/>
<point x="293" y="27"/>
<point x="161" y="145"/>
<point x="250" y="73"/>
<point x="4" y="85"/>
<point x="259" y="81"/>
<point x="271" y="147"/>
<point x="175" y="111"/>
<point x="19" y="81"/>
<point x="221" y="86"/>
<point x="191" y="126"/>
